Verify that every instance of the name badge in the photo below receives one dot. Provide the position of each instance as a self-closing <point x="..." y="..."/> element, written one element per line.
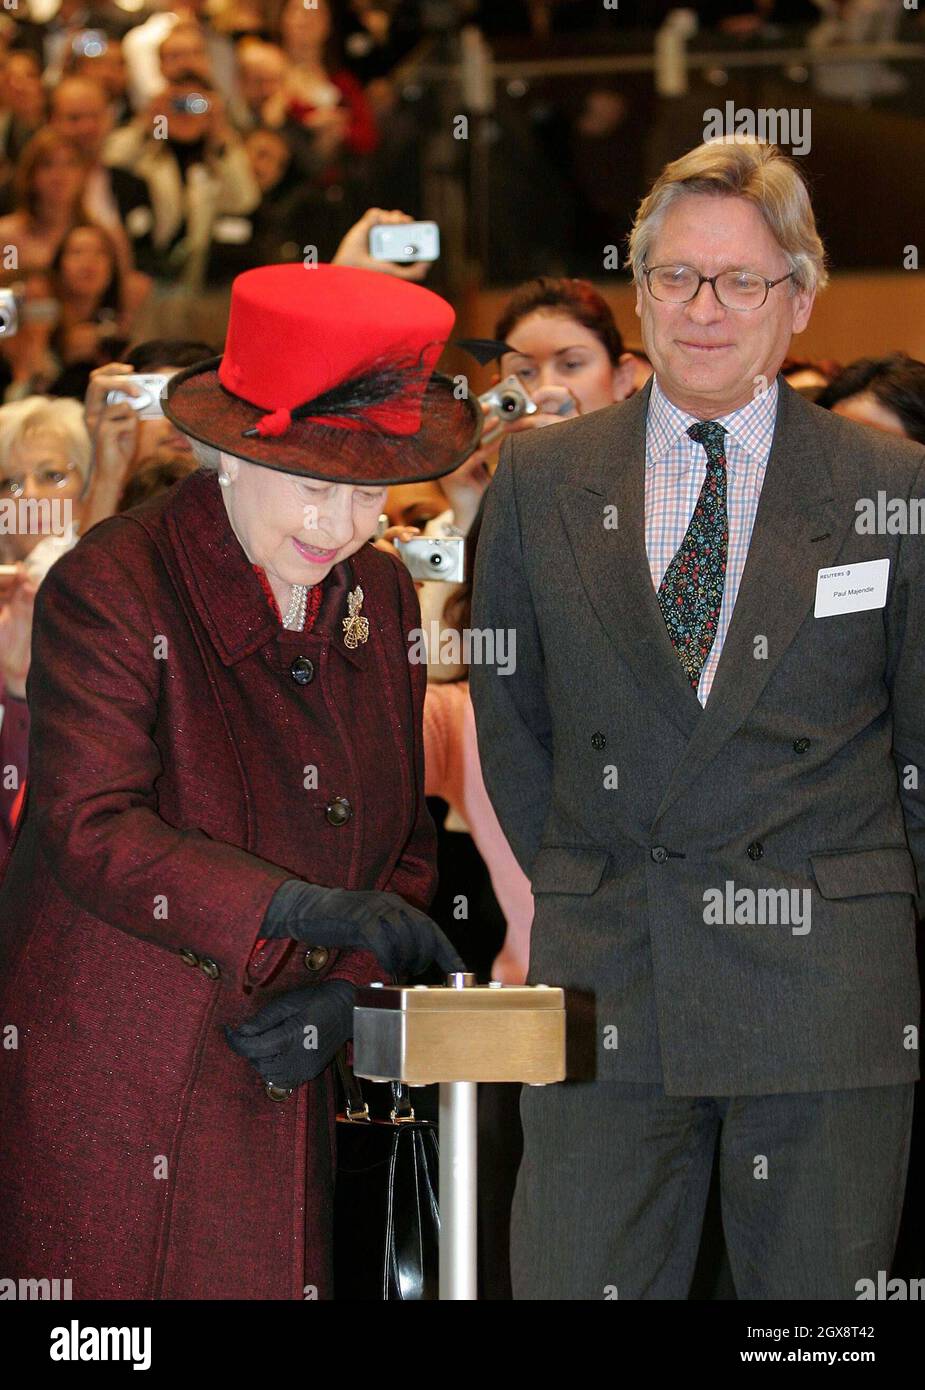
<point x="851" y="588"/>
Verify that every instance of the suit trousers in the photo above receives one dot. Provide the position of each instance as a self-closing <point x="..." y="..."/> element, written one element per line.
<point x="611" y="1192"/>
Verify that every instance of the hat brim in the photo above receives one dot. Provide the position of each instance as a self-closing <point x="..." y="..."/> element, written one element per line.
<point x="197" y="403"/>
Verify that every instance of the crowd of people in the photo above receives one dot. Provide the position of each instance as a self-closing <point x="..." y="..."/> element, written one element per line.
<point x="145" y="166"/>
<point x="175" y="153"/>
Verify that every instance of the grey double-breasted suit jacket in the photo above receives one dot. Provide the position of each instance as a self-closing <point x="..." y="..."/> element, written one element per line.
<point x="629" y="805"/>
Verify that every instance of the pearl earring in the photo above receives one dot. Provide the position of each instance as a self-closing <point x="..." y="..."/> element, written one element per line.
<point x="224" y="479"/>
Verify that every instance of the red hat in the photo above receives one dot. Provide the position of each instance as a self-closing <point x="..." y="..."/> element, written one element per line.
<point x="328" y="371"/>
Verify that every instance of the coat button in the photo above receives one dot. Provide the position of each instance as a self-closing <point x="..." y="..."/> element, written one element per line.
<point x="316" y="957"/>
<point x="338" y="810"/>
<point x="659" y="854"/>
<point x="755" y="850"/>
<point x="302" y="670"/>
<point x="209" y="968"/>
<point x="598" y="740"/>
<point x="189" y="957"/>
<point x="801" y="745"/>
<point x="278" y="1092"/>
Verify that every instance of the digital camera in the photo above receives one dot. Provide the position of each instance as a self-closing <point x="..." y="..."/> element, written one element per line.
<point x="404" y="242"/>
<point x="147" y="402"/>
<point x="431" y="558"/>
<point x="191" y="105"/>
<point x="508" y="401"/>
<point x="9" y="313"/>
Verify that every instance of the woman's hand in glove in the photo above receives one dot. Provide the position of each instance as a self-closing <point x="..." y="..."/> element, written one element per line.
<point x="294" y="1037"/>
<point x="404" y="940"/>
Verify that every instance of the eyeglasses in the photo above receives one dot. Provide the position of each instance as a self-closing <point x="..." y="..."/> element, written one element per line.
<point x="46" y="480"/>
<point x="734" y="289"/>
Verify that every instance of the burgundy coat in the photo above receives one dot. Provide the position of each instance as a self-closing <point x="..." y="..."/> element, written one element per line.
<point x="178" y="774"/>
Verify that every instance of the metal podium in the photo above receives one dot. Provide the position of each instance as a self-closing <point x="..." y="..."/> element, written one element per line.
<point x="459" y="1034"/>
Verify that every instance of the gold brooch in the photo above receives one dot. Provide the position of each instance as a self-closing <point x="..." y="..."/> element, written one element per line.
<point x="356" y="627"/>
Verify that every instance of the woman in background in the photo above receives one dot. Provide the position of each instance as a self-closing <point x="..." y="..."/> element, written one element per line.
<point x="47" y="187"/>
<point x="97" y="306"/>
<point x="44" y="457"/>
<point x="319" y="91"/>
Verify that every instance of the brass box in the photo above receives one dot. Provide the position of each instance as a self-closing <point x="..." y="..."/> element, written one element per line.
<point x="422" y="1034"/>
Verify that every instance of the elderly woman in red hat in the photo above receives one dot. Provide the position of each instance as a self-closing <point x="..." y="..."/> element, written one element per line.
<point x="225" y="830"/>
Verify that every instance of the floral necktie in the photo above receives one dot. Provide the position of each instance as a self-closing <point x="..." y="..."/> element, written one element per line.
<point x="691" y="592"/>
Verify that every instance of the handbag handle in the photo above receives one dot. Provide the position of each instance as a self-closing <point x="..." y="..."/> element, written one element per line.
<point x="356" y="1107"/>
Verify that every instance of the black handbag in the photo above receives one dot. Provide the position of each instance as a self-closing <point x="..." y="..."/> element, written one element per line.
<point x="386" y="1212"/>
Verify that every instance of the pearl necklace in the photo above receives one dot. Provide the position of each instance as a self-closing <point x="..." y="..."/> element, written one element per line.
<point x="295" y="613"/>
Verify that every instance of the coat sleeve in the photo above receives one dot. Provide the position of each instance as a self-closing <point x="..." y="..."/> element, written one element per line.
<point x="512" y="718"/>
<point x="415" y="874"/>
<point x="906" y="681"/>
<point x="93" y="691"/>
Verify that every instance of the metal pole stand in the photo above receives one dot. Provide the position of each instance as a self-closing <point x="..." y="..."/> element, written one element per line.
<point x="457" y="1035"/>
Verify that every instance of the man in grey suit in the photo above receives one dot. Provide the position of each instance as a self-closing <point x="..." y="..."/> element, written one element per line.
<point x="707" y="760"/>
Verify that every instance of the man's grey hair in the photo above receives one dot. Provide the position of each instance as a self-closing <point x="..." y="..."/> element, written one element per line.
<point x="743" y="168"/>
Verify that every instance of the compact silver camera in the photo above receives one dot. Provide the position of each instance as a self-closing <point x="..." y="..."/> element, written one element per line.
<point x="89" y="43"/>
<point x="426" y="557"/>
<point x="404" y="242"/>
<point x="147" y="402"/>
<point x="508" y="401"/>
<point x="9" y="313"/>
<point x="191" y="105"/>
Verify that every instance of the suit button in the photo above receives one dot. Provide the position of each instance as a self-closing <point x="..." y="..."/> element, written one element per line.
<point x="598" y="740"/>
<point x="209" y="968"/>
<point x="316" y="957"/>
<point x="338" y="810"/>
<point x="278" y="1092"/>
<point x="189" y="957"/>
<point x="801" y="745"/>
<point x="659" y="854"/>
<point x="755" y="850"/>
<point x="302" y="670"/>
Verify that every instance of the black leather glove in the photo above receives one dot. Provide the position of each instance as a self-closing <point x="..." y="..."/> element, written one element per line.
<point x="294" y="1037"/>
<point x="404" y="940"/>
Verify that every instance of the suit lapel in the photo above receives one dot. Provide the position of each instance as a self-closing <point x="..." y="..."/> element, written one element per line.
<point x="613" y="564"/>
